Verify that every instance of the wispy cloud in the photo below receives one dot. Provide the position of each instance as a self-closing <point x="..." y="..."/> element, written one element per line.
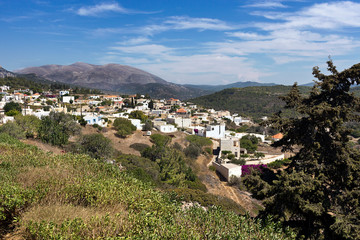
<point x="183" y="22"/>
<point x="267" y="4"/>
<point x="102" y="8"/>
<point x="170" y="24"/>
<point x="333" y="15"/>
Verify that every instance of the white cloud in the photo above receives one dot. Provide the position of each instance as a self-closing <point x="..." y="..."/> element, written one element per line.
<point x="182" y="23"/>
<point x="101" y="8"/>
<point x="134" y="41"/>
<point x="147" y="49"/>
<point x="267" y="4"/>
<point x="165" y="62"/>
<point x="334" y="15"/>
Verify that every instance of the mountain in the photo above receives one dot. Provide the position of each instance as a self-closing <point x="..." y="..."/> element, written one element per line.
<point x="107" y="77"/>
<point x="248" y="101"/>
<point x="115" y="78"/>
<point x="5" y="73"/>
<point x="232" y="85"/>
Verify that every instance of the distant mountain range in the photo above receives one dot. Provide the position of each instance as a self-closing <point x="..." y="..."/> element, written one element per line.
<point x="123" y="79"/>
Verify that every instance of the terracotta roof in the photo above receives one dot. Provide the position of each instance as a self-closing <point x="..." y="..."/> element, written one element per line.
<point x="181" y="110"/>
<point x="278" y="136"/>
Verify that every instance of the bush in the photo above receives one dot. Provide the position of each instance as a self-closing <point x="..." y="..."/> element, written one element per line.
<point x="192" y="151"/>
<point x="57" y="128"/>
<point x="199" y="141"/>
<point x="12" y="106"/>
<point x="95" y="145"/>
<point x="124" y="127"/>
<point x="29" y="123"/>
<point x="13" y="130"/>
<point x="139" y="146"/>
<point x="160" y="140"/>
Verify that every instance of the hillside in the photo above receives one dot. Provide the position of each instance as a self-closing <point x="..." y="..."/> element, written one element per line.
<point x="113" y="77"/>
<point x="248" y="101"/>
<point x="48" y="196"/>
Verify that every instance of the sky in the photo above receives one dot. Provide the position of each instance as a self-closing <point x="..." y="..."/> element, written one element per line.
<point x="187" y="41"/>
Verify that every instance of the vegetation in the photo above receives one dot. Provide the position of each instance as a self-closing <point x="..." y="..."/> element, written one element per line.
<point x="12" y="106"/>
<point x="138" y="115"/>
<point x="29" y="124"/>
<point x="248" y="101"/>
<point x="249" y="142"/>
<point x="71" y="196"/>
<point x="95" y="145"/>
<point x="13" y="129"/>
<point x="57" y="128"/>
<point x="319" y="192"/>
<point x="124" y="127"/>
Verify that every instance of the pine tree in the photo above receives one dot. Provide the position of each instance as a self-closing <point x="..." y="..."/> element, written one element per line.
<point x="320" y="191"/>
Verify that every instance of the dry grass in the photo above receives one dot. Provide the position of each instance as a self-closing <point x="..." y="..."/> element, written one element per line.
<point x="31" y="176"/>
<point x="59" y="213"/>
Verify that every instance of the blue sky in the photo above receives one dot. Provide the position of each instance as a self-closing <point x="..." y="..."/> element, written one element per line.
<point x="196" y="42"/>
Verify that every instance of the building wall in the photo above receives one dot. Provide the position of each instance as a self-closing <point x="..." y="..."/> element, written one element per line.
<point x="231" y="144"/>
<point x="215" y="131"/>
<point x="228" y="170"/>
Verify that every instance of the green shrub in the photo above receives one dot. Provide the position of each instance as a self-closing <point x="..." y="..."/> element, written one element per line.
<point x="192" y="151"/>
<point x="124" y="127"/>
<point x="13" y="130"/>
<point x="160" y="140"/>
<point x="95" y="145"/>
<point x="199" y="141"/>
<point x="139" y="146"/>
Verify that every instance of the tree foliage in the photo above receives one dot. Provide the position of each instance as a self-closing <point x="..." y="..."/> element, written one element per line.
<point x="249" y="142"/>
<point x="95" y="145"/>
<point x="57" y="128"/>
<point x="138" y="115"/>
<point x="10" y="106"/>
<point x="29" y="124"/>
<point x="319" y="192"/>
<point x="124" y="127"/>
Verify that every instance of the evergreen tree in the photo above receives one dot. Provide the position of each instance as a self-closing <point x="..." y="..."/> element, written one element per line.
<point x="320" y="191"/>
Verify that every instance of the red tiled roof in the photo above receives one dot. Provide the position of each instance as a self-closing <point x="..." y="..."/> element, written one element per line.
<point x="278" y="136"/>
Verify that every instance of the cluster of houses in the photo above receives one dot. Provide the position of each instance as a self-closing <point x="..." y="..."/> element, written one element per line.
<point x="167" y="115"/>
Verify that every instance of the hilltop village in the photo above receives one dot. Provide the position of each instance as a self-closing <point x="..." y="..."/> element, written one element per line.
<point x="165" y="116"/>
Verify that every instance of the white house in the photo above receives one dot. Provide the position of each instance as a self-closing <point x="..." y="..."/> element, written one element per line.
<point x="167" y="128"/>
<point x="136" y="123"/>
<point x="94" y="119"/>
<point x="181" y="122"/>
<point x="215" y="131"/>
<point x="67" y="99"/>
<point x="6" y="119"/>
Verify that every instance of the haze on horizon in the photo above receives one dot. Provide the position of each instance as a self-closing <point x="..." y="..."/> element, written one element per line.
<point x="186" y="42"/>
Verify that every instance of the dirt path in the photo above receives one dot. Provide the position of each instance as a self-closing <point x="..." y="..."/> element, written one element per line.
<point x="217" y="186"/>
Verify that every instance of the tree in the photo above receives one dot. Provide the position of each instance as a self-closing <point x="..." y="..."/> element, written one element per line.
<point x="138" y="115"/>
<point x="148" y="126"/>
<point x="124" y="127"/>
<point x="151" y="104"/>
<point x="13" y="130"/>
<point x="320" y="190"/>
<point x="29" y="124"/>
<point x="57" y="128"/>
<point x="249" y="143"/>
<point x="12" y="106"/>
<point x="95" y="145"/>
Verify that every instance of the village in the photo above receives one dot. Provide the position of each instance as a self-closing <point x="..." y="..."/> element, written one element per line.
<point x="166" y="116"/>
